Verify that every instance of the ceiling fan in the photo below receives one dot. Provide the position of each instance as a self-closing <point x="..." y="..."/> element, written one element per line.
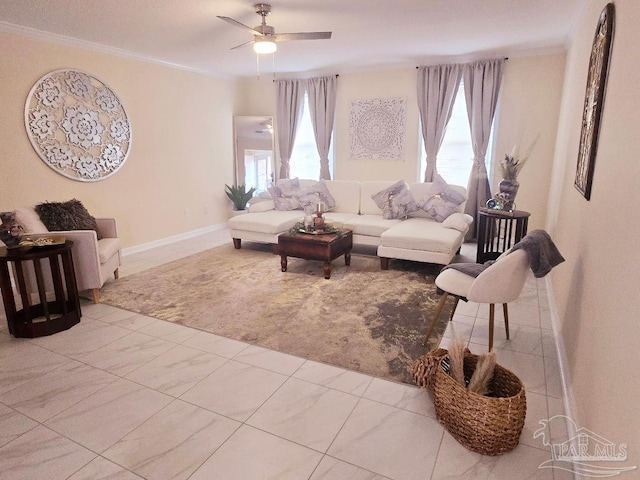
<point x="265" y="36"/>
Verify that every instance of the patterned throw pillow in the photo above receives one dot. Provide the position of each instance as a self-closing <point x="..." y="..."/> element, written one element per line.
<point x="310" y="196"/>
<point x="10" y="230"/>
<point x="440" y="200"/>
<point x="10" y="223"/>
<point x="284" y="194"/>
<point x="71" y="215"/>
<point x="395" y="201"/>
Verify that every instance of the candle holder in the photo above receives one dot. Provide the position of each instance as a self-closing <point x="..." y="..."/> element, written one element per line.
<point x="318" y="222"/>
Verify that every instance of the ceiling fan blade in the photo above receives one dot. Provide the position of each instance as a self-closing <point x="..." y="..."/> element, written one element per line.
<point x="243" y="44"/>
<point x="241" y="25"/>
<point x="283" y="37"/>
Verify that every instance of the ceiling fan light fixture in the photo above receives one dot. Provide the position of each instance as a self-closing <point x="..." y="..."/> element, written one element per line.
<point x="264" y="46"/>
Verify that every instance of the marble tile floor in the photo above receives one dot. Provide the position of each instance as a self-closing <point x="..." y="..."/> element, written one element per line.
<point x="123" y="396"/>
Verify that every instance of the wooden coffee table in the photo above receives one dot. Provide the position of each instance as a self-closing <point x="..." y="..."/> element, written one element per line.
<point x="324" y="247"/>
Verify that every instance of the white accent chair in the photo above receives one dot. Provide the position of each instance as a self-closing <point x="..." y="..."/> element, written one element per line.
<point x="93" y="260"/>
<point x="502" y="282"/>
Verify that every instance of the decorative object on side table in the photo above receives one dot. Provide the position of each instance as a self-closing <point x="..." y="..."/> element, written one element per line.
<point x="10" y="230"/>
<point x="594" y="99"/>
<point x="510" y="168"/>
<point x="239" y="196"/>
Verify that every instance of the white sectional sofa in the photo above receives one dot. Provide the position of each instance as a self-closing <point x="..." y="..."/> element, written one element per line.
<point x="418" y="237"/>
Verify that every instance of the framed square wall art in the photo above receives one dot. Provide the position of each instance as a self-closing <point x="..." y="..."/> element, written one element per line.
<point x="376" y="128"/>
<point x="594" y="99"/>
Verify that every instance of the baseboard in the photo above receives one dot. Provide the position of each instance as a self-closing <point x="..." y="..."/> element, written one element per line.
<point x="172" y="239"/>
<point x="565" y="377"/>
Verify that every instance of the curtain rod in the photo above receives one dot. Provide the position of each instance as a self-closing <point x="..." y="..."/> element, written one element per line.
<point x="337" y="75"/>
<point x="506" y="58"/>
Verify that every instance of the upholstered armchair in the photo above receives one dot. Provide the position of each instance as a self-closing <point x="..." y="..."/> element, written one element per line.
<point x="502" y="283"/>
<point x="94" y="260"/>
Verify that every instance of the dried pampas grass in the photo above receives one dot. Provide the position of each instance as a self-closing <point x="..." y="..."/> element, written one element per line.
<point x="456" y="360"/>
<point x="424" y="368"/>
<point x="483" y="373"/>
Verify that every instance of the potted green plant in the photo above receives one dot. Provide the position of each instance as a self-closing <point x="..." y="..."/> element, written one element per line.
<point x="239" y="196"/>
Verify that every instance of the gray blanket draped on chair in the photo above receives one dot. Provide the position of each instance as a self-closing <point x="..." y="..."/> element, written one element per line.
<point x="543" y="256"/>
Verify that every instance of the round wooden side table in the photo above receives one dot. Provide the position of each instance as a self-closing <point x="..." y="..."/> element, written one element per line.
<point x="498" y="231"/>
<point x="48" y="316"/>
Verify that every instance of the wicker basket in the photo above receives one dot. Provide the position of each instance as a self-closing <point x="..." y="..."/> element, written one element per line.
<point x="490" y="424"/>
<point x="424" y="368"/>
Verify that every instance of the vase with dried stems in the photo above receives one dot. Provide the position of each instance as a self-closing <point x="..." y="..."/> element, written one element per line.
<point x="510" y="168"/>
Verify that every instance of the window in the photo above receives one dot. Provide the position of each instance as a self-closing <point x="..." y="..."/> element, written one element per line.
<point x="305" y="160"/>
<point x="455" y="157"/>
<point x="257" y="167"/>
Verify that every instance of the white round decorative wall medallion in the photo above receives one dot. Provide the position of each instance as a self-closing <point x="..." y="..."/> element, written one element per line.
<point x="77" y="125"/>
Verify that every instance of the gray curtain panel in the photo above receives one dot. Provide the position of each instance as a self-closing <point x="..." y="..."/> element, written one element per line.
<point x="437" y="89"/>
<point x="321" y="92"/>
<point x="289" y="97"/>
<point x="481" y="87"/>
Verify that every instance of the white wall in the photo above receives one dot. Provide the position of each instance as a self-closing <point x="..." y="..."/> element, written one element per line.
<point x="182" y="145"/>
<point x="529" y="105"/>
<point x="597" y="290"/>
<point x="363" y="86"/>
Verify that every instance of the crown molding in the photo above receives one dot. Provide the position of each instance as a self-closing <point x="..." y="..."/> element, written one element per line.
<point x="95" y="47"/>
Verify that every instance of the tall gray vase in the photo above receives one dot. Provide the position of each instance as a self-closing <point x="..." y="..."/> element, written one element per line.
<point x="510" y="188"/>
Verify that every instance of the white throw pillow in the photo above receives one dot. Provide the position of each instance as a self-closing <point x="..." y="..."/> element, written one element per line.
<point x="262" y="206"/>
<point x="458" y="221"/>
<point x="30" y="221"/>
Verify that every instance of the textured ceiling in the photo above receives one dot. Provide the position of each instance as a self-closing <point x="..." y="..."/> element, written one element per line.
<point x="366" y="34"/>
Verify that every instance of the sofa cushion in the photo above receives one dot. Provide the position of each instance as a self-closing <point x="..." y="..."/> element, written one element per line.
<point x="271" y="222"/>
<point x="338" y="219"/>
<point x="346" y="193"/>
<point x="69" y="215"/>
<point x="440" y="200"/>
<point x="107" y="248"/>
<point x="30" y="221"/>
<point x="370" y="225"/>
<point x="263" y="205"/>
<point x="422" y="234"/>
<point x="395" y="201"/>
<point x="367" y="189"/>
<point x="311" y="195"/>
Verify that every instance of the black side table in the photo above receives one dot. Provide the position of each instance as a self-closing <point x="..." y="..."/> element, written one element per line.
<point x="46" y="317"/>
<point x="498" y="231"/>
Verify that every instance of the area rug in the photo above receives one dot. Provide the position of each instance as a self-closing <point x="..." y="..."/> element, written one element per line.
<point x="362" y="318"/>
